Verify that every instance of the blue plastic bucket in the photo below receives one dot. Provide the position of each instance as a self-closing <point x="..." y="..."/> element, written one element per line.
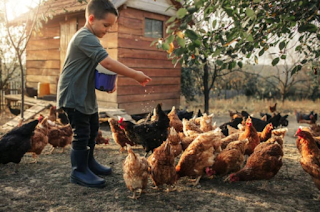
<point x="104" y="79"/>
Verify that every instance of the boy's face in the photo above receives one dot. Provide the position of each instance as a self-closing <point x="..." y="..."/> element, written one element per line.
<point x="102" y="26"/>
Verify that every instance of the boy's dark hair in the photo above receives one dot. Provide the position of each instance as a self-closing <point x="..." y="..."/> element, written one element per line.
<point x="99" y="8"/>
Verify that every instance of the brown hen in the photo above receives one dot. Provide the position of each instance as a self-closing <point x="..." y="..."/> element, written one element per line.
<point x="118" y="134"/>
<point x="174" y="120"/>
<point x="39" y="139"/>
<point x="231" y="159"/>
<point x="310" y="155"/>
<point x="263" y="164"/>
<point x="162" y="166"/>
<point x="174" y="142"/>
<point x="135" y="173"/>
<point x="251" y="134"/>
<point x="198" y="156"/>
<point x="266" y="133"/>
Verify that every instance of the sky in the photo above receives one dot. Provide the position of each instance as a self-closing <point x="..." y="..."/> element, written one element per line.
<point x="18" y="7"/>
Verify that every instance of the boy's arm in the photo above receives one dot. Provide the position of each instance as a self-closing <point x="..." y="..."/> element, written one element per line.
<point x="124" y="70"/>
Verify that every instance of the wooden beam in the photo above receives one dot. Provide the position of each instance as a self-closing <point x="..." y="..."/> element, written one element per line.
<point x="134" y="90"/>
<point x="157" y="72"/>
<point x="145" y="63"/>
<point x="43" y="44"/>
<point x="125" y="81"/>
<point x="147" y="97"/>
<point x="52" y="54"/>
<point x="142" y="54"/>
<point x="43" y="63"/>
<point x="43" y="71"/>
<point x="146" y="107"/>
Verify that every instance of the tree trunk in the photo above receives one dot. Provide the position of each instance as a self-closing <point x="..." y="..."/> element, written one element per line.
<point x="22" y="85"/>
<point x="206" y="89"/>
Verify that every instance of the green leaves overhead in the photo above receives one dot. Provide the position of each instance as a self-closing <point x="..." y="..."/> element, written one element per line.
<point x="275" y="61"/>
<point x="165" y="46"/>
<point x="307" y="28"/>
<point x="230" y="31"/>
<point x="191" y="34"/>
<point x="296" y="69"/>
<point x="214" y="23"/>
<point x="282" y="45"/>
<point x="181" y="42"/>
<point x="250" y="13"/>
<point x="181" y="13"/>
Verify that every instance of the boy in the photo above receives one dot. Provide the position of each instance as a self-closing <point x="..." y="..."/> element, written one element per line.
<point x="76" y="90"/>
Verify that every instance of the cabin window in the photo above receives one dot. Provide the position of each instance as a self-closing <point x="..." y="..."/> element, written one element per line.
<point x="153" y="28"/>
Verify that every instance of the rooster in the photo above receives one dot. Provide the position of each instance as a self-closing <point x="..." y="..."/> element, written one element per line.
<point x="162" y="166"/>
<point x="263" y="164"/>
<point x="310" y="155"/>
<point x="150" y="134"/>
<point x="135" y="173"/>
<point x="199" y="155"/>
<point x="15" y="143"/>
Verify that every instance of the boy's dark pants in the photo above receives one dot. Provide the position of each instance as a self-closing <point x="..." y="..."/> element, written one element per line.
<point x="84" y="166"/>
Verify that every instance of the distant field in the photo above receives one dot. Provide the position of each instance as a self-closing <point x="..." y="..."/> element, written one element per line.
<point x="252" y="106"/>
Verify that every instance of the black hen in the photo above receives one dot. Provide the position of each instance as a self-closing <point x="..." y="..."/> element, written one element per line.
<point x="16" y="143"/>
<point x="266" y="114"/>
<point x="14" y="111"/>
<point x="63" y="118"/>
<point x="150" y="134"/>
<point x="234" y="123"/>
<point x="183" y="114"/>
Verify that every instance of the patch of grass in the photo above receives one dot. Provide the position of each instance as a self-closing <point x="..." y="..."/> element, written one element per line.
<point x="252" y="106"/>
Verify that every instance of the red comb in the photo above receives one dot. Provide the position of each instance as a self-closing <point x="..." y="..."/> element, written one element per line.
<point x="40" y="118"/>
<point x="120" y="120"/>
<point x="299" y="130"/>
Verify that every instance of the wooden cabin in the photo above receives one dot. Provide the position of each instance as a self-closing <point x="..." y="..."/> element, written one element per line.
<point x="140" y="22"/>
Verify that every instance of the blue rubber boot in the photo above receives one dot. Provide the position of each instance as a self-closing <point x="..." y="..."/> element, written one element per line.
<point x="81" y="174"/>
<point x="94" y="166"/>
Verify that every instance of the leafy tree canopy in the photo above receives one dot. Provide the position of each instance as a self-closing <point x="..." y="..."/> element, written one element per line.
<point x="232" y="31"/>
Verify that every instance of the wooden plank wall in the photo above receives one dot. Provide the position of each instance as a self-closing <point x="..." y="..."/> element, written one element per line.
<point x="110" y="43"/>
<point x="43" y="57"/>
<point x="125" y="43"/>
<point x="134" y="50"/>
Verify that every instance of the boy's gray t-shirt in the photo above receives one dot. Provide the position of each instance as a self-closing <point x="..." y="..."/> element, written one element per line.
<point x="76" y="87"/>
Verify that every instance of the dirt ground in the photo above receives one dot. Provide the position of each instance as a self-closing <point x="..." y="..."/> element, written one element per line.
<point x="45" y="186"/>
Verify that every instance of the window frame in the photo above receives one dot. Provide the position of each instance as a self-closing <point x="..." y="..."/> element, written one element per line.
<point x="158" y="18"/>
<point x="155" y="20"/>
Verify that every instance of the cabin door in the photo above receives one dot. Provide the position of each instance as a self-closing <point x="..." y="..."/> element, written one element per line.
<point x="67" y="29"/>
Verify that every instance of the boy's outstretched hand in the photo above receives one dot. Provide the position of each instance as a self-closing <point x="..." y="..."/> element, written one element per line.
<point x="142" y="78"/>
